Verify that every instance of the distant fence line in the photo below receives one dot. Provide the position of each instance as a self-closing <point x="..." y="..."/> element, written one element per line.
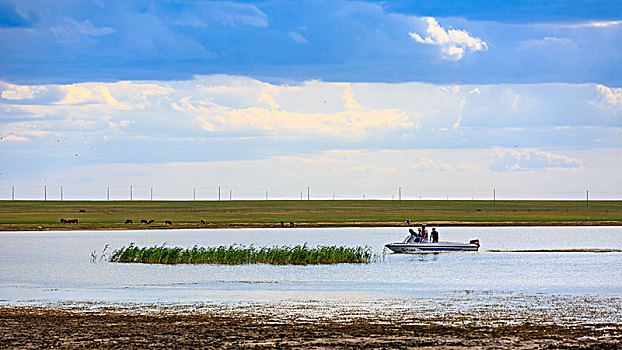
<point x="222" y="193"/>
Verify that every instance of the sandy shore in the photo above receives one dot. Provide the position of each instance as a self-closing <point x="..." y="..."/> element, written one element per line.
<point x="29" y="328"/>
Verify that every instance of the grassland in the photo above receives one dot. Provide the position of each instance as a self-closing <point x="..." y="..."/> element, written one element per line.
<point x="33" y="215"/>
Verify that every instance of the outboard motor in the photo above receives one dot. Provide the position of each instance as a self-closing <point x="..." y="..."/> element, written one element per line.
<point x="474" y="241"/>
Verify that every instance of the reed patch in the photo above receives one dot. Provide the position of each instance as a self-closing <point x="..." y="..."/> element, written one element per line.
<point x="238" y="255"/>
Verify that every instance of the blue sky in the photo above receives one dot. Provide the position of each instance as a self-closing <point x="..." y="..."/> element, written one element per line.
<point x="442" y="98"/>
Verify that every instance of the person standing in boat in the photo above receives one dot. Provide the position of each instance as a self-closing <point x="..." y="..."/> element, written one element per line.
<point x="424" y="233"/>
<point x="434" y="235"/>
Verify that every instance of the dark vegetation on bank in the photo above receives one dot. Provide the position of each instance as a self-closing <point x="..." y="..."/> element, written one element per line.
<point x="33" y="215"/>
<point x="237" y="255"/>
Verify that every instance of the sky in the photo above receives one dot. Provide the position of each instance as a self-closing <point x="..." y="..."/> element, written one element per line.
<point x="345" y="99"/>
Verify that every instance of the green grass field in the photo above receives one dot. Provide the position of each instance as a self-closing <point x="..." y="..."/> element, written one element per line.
<point x="102" y="214"/>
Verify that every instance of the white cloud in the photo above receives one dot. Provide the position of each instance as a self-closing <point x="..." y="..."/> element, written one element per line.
<point x="120" y="124"/>
<point x="267" y="96"/>
<point x="225" y="89"/>
<point x="506" y="159"/>
<point x="350" y="124"/>
<point x="594" y="24"/>
<point x="322" y="114"/>
<point x="136" y="95"/>
<point x="348" y="96"/>
<point x="23" y="129"/>
<point x="234" y="14"/>
<point x="20" y="92"/>
<point x="359" y="170"/>
<point x="425" y="164"/>
<point x="549" y="42"/>
<point x="14" y="138"/>
<point x="608" y="97"/>
<point x="297" y="37"/>
<point x="465" y="166"/>
<point x="89" y="93"/>
<point x="454" y="43"/>
<point x="69" y="30"/>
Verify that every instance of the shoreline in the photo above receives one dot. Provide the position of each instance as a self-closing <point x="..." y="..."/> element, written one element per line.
<point x="32" y="327"/>
<point x="189" y="226"/>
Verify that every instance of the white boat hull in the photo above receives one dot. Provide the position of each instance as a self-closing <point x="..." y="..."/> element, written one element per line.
<point x="429" y="247"/>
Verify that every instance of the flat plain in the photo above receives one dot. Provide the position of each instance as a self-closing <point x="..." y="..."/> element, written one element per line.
<point x="47" y="215"/>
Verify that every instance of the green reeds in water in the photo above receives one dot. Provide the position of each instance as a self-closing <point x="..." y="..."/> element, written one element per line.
<point x="237" y="255"/>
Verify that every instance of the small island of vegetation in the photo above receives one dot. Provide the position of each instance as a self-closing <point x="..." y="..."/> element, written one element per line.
<point x="237" y="255"/>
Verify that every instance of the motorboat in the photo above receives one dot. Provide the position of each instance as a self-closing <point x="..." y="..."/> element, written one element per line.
<point x="416" y="245"/>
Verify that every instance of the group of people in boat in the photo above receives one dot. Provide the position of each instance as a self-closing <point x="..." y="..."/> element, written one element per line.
<point x="422" y="236"/>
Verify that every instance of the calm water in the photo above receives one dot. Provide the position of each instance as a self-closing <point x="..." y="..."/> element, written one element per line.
<point x="50" y="267"/>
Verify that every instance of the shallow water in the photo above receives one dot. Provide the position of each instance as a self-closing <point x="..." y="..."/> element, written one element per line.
<point x="56" y="267"/>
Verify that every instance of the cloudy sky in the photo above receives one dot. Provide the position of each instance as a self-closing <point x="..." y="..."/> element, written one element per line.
<point x="445" y="99"/>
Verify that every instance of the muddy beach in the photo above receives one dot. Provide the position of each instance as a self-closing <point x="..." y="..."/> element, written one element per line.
<point x="34" y="327"/>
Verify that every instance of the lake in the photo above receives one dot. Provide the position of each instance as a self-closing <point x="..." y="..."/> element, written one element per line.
<point x="46" y="267"/>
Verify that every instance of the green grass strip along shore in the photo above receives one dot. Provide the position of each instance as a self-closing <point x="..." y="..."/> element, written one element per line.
<point x="237" y="255"/>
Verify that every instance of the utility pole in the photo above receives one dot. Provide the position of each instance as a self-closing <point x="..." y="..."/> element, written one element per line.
<point x="308" y="194"/>
<point x="494" y="198"/>
<point x="12" y="193"/>
<point x="587" y="199"/>
<point x="45" y="193"/>
<point x="131" y="193"/>
<point x="266" y="194"/>
<point x="301" y="195"/>
<point x="108" y="194"/>
<point x="219" y="193"/>
<point x="363" y="196"/>
<point x="400" y="191"/>
<point x="333" y="196"/>
<point x="61" y="193"/>
<point x="151" y="194"/>
<point x="230" y="195"/>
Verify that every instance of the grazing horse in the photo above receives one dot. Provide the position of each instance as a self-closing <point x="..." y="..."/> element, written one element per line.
<point x="282" y="223"/>
<point x="128" y="221"/>
<point x="150" y="222"/>
<point x="143" y="222"/>
<point x="203" y="222"/>
<point x="63" y="221"/>
<point x="168" y="222"/>
<point x="291" y="224"/>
